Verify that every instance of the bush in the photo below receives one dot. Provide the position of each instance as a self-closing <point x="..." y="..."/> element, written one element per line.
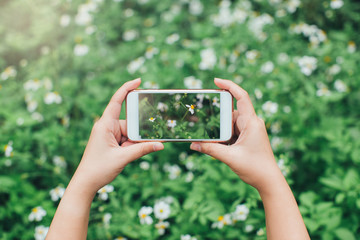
<point x="60" y="62"/>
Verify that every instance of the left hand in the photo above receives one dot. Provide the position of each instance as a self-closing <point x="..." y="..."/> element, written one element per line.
<point x="108" y="150"/>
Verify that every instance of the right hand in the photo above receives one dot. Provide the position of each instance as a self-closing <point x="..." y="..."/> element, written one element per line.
<point x="250" y="156"/>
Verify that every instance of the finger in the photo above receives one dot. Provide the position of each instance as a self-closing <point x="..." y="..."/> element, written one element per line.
<point x="138" y="150"/>
<point x="244" y="105"/>
<point x="113" y="109"/>
<point x="123" y="139"/>
<point x="127" y="143"/>
<point x="215" y="150"/>
<point x="123" y="128"/>
<point x="235" y="116"/>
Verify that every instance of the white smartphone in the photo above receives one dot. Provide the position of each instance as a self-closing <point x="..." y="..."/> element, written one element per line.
<point x="179" y="115"/>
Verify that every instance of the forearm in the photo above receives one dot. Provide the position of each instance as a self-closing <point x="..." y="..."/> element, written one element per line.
<point x="283" y="218"/>
<point x="72" y="215"/>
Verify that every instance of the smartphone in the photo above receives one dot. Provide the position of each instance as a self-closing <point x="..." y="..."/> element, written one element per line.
<point x="179" y="115"/>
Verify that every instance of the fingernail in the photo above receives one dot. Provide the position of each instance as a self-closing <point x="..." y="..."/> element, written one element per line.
<point x="158" y="146"/>
<point x="137" y="79"/>
<point x="196" y="147"/>
<point x="219" y="79"/>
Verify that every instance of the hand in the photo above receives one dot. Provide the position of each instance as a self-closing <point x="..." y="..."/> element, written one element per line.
<point x="108" y="150"/>
<point x="250" y="156"/>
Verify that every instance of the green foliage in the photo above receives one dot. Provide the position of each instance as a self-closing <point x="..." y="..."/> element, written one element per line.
<point x="58" y="75"/>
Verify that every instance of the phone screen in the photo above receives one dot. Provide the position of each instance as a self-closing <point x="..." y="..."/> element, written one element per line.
<point x="179" y="115"/>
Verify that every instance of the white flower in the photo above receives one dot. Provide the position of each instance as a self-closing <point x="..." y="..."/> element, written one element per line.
<point x="128" y="12"/>
<point x="144" y="213"/>
<point x="8" y="72"/>
<point x="283" y="58"/>
<point x="190" y="108"/>
<point x="162" y="107"/>
<point x="260" y="232"/>
<point x="32" y="85"/>
<point x="83" y="16"/>
<point x="90" y="30"/>
<point x="241" y="212"/>
<point x="162" y="210"/>
<point x="103" y="192"/>
<point x="307" y="65"/>
<point x="37" y="214"/>
<point x="189" y="177"/>
<point x="239" y="15"/>
<point x="196" y="7"/>
<point x="81" y="50"/>
<point x="340" y="86"/>
<point x="150" y="52"/>
<point x="267" y="67"/>
<point x="275" y="127"/>
<point x="59" y="161"/>
<point x="224" y="18"/>
<point x="276" y="142"/>
<point x="334" y="69"/>
<point x="256" y="25"/>
<point x="208" y="59"/>
<point x="283" y="168"/>
<point x="292" y="5"/>
<point x="65" y="20"/>
<point x="32" y="105"/>
<point x="222" y="221"/>
<point x="215" y="102"/>
<point x="37" y="117"/>
<point x="312" y="32"/>
<point x="323" y="90"/>
<point x="287" y="109"/>
<point x="57" y="193"/>
<point x="130" y="35"/>
<point x="258" y="93"/>
<point x="120" y="238"/>
<point x="106" y="219"/>
<point x="145" y="165"/>
<point x="270" y="84"/>
<point x="336" y="4"/>
<point x="152" y="119"/>
<point x="45" y="50"/>
<point x="135" y="65"/>
<point x="151" y="85"/>
<point x="172" y="38"/>
<point x="161" y="226"/>
<point x="20" y="121"/>
<point x="171" y="123"/>
<point x="187" y="237"/>
<point x="8" y="149"/>
<point x="251" y="55"/>
<point x="41" y="232"/>
<point x="351" y="47"/>
<point x="270" y="107"/>
<point x="52" y="97"/>
<point x="249" y="228"/>
<point x="192" y="83"/>
<point x="174" y="171"/>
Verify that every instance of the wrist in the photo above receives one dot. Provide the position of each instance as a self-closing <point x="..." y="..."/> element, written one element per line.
<point x="274" y="183"/>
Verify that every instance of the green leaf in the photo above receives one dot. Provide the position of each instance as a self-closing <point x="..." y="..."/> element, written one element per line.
<point x="351" y="179"/>
<point x="332" y="182"/>
<point x="344" y="234"/>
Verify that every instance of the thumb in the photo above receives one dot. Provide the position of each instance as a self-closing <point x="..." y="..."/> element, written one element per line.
<point x="138" y="150"/>
<point x="215" y="150"/>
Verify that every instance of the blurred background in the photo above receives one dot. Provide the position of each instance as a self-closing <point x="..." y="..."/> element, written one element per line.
<point x="61" y="61"/>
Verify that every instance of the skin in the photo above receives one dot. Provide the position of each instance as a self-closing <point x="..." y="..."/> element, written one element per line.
<point x="249" y="155"/>
<point x="107" y="153"/>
